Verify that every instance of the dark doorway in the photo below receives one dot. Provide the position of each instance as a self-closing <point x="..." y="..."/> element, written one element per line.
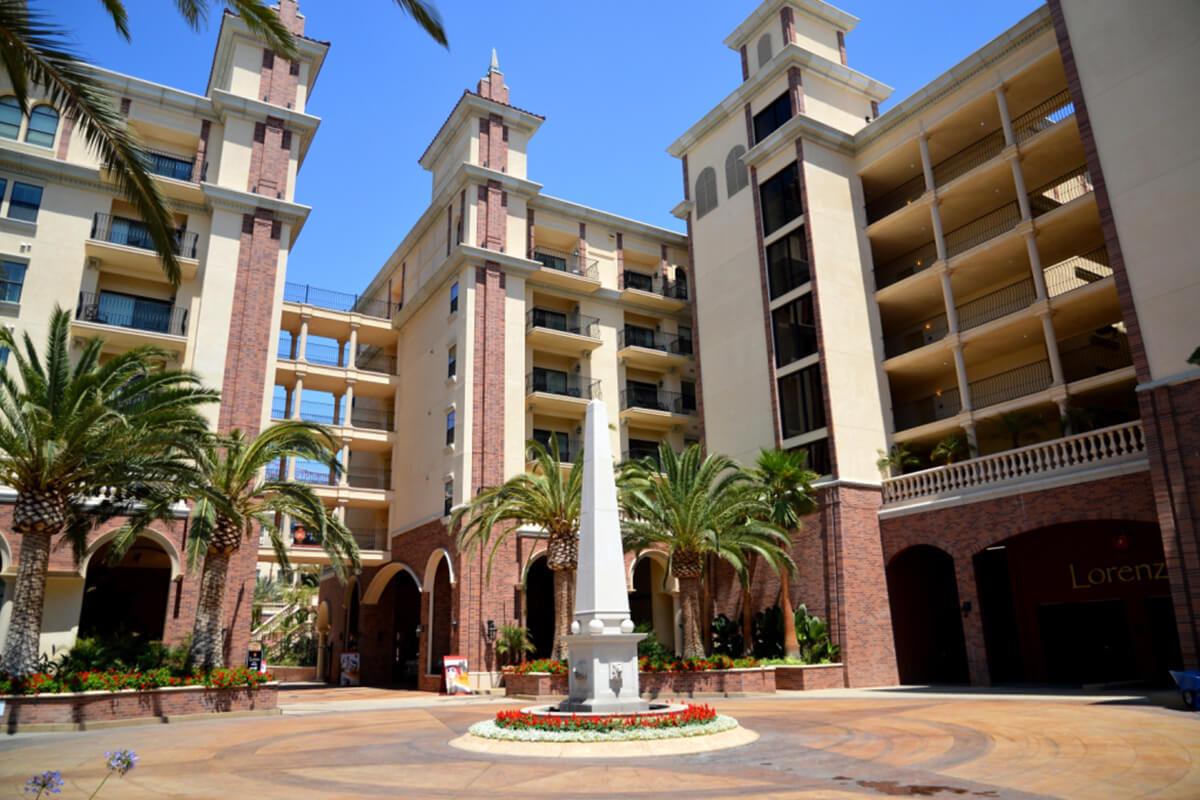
<point x="926" y="618"/>
<point x="641" y="599"/>
<point x="128" y="598"/>
<point x="440" y="614"/>
<point x="406" y="622"/>
<point x="1087" y="642"/>
<point x="539" y="607"/>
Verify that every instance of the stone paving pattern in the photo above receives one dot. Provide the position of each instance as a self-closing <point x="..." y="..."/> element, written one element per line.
<point x="843" y="744"/>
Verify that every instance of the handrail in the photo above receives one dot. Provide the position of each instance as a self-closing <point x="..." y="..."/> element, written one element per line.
<point x="916" y="336"/>
<point x="895" y="199"/>
<point x="1010" y="384"/>
<point x="1060" y="191"/>
<point x="1043" y="116"/>
<point x="539" y="380"/>
<point x="968" y="158"/>
<point x="134" y="233"/>
<point x="636" y="336"/>
<point x="1116" y="443"/>
<point x="941" y="405"/>
<point x="981" y="229"/>
<point x="997" y="304"/>
<point x="170" y="165"/>
<point x="563" y="321"/>
<point x="657" y="400"/>
<point x="573" y="263"/>
<point x="123" y="311"/>
<point x="1077" y="272"/>
<point x="337" y="301"/>
<point x="914" y="261"/>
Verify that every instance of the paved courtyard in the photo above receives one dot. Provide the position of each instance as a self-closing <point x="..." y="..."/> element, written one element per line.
<point x="373" y="743"/>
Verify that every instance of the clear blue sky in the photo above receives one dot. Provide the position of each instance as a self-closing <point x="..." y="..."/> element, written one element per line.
<point x="617" y="82"/>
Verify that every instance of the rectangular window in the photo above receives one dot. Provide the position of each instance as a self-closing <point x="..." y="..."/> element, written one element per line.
<point x="452" y="361"/>
<point x="25" y="202"/>
<point x="553" y="381"/>
<point x="684" y="342"/>
<point x="639" y="281"/>
<point x="795" y="331"/>
<point x="547" y="439"/>
<point x="780" y="196"/>
<point x="643" y="395"/>
<point x="453" y="297"/>
<point x="801" y="405"/>
<point x="12" y="279"/>
<point x="787" y="263"/>
<point x="449" y="428"/>
<point x="3" y="357"/>
<point x="3" y="186"/>
<point x="643" y="448"/>
<point x="687" y="391"/>
<point x="447" y="498"/>
<point x="772" y="117"/>
<point x="818" y="456"/>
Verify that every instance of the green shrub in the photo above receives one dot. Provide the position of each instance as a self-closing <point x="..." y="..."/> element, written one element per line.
<point x="651" y="647"/>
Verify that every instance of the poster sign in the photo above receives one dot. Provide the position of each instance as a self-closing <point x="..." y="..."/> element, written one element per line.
<point x="254" y="658"/>
<point x="454" y="668"/>
<point x="349" y="672"/>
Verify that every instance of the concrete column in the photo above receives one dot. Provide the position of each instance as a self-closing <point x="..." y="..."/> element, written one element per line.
<point x="1052" y="349"/>
<point x="948" y="299"/>
<point x="960" y="371"/>
<point x="939" y="235"/>
<point x="926" y="163"/>
<point x="972" y="438"/>
<point x="348" y="416"/>
<point x="344" y="479"/>
<point x="353" y="354"/>
<point x="337" y="409"/>
<point x="1022" y="193"/>
<point x="301" y="343"/>
<point x="342" y="355"/>
<point x="1035" y="266"/>
<point x="1005" y="119"/>
<point x="297" y="397"/>
<point x="290" y="469"/>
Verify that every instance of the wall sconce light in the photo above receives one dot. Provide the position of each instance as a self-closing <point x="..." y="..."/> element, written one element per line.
<point x="490" y="633"/>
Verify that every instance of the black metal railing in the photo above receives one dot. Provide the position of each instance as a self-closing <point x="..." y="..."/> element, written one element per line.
<point x="324" y="353"/>
<point x="1043" y="116"/>
<point x="641" y="281"/>
<point x="562" y="261"/>
<point x="1077" y="271"/>
<point x="562" y="384"/>
<point x="279" y="409"/>
<point x="134" y="233"/>
<point x="136" y="313"/>
<point x="931" y="330"/>
<point x="370" y="538"/>
<point x="372" y="359"/>
<point x="655" y="284"/>
<point x="674" y="290"/>
<point x="172" y="166"/>
<point x="658" y="400"/>
<point x="338" y="301"/>
<point x="1094" y="353"/>
<point x="981" y="229"/>
<point x="325" y="413"/>
<point x="566" y="322"/>
<point x="968" y="158"/>
<point x="903" y="195"/>
<point x="374" y="419"/>
<point x="634" y="336"/>
<point x="942" y="404"/>
<point x="369" y="477"/>
<point x="1060" y="191"/>
<point x="912" y="262"/>
<point x="1011" y="384"/>
<point x="997" y="304"/>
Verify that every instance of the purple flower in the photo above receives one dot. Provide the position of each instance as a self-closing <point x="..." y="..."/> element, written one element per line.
<point x="121" y="761"/>
<point x="49" y="781"/>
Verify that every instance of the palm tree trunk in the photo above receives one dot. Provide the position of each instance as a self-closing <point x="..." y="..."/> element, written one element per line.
<point x="747" y="623"/>
<point x="207" y="650"/>
<point x="791" y="645"/>
<point x="689" y="612"/>
<point x="22" y="645"/>
<point x="563" y="608"/>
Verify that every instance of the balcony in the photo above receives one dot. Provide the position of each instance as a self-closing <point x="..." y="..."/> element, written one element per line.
<point x="128" y="321"/>
<point x="655" y="408"/>
<point x="997" y="304"/>
<point x="967" y="159"/>
<point x="940" y="405"/>
<point x="561" y="332"/>
<point x="167" y="165"/>
<point x="1043" y="116"/>
<point x="1011" y="384"/>
<point x="1077" y="271"/>
<point x="1100" y="452"/>
<point x="1060" y="191"/>
<point x="1094" y="353"/>
<point x="303" y="294"/>
<point x="568" y="447"/>
<point x="912" y="262"/>
<point x="654" y="290"/>
<point x="917" y="336"/>
<point x="644" y="347"/>
<point x="559" y="393"/>
<point x="124" y="246"/>
<point x="902" y="196"/>
<point x="565" y="270"/>
<point x="982" y="229"/>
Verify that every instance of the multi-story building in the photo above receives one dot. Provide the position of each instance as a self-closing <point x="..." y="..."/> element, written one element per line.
<point x="227" y="162"/>
<point x="993" y="276"/>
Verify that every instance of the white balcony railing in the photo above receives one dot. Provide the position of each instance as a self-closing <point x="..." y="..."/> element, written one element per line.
<point x="1111" y="445"/>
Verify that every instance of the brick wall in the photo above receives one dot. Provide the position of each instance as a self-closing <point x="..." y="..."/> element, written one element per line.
<point x="58" y="711"/>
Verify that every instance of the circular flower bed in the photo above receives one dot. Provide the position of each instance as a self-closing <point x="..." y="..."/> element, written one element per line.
<point x="526" y="726"/>
<point x="553" y="666"/>
<point x="117" y="680"/>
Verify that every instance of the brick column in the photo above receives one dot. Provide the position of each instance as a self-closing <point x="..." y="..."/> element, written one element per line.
<point x="787" y="22"/>
<point x="199" y="173"/>
<point x="582" y="247"/>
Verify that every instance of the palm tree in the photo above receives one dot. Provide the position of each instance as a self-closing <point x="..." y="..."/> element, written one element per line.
<point x="34" y="53"/>
<point x="233" y="495"/>
<point x="786" y="482"/>
<point x="541" y="499"/>
<point x="896" y="460"/>
<point x="81" y="443"/>
<point x="954" y="447"/>
<point x="513" y="643"/>
<point x="697" y="507"/>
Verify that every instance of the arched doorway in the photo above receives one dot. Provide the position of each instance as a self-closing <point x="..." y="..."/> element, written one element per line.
<point x="539" y="607"/>
<point x="128" y="598"/>
<point x="403" y="598"/>
<point x="651" y="603"/>
<point x="926" y="617"/>
<point x="440" y="614"/>
<point x="1077" y="604"/>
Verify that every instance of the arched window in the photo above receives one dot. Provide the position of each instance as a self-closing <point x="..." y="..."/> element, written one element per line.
<point x="10" y="117"/>
<point x="706" y="191"/>
<point x="764" y="50"/>
<point x="43" y="122"/>
<point x="737" y="177"/>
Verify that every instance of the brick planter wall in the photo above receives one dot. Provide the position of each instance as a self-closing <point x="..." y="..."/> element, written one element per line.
<point x="79" y="710"/>
<point x="294" y="674"/>
<point x="656" y="684"/>
<point x="816" y="676"/>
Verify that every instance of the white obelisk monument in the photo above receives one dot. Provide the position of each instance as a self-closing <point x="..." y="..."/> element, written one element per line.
<point x="602" y="646"/>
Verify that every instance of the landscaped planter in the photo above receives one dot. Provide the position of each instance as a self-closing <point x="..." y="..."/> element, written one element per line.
<point x="294" y="674"/>
<point x="810" y="676"/>
<point x="80" y="709"/>
<point x="655" y="684"/>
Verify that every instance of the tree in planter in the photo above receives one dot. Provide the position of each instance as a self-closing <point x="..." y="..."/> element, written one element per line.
<point x="695" y="507"/>
<point x="81" y="443"/>
<point x="542" y="499"/>
<point x="232" y="498"/>
<point x="1018" y="423"/>
<point x="785" y="481"/>
<point x="895" y="461"/>
<point x="513" y="644"/>
<point x="954" y="447"/>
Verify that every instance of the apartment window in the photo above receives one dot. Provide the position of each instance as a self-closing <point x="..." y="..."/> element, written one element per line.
<point x="795" y="331"/>
<point x="450" y="417"/>
<point x="548" y="439"/>
<point x="25" y="202"/>
<point x="764" y="50"/>
<point x="687" y="392"/>
<point x="3" y="357"/>
<point x="452" y="361"/>
<point x="12" y="279"/>
<point x="43" y="124"/>
<point x="643" y="448"/>
<point x="10" y="117"/>
<point x="818" y="456"/>
<point x="684" y="347"/>
<point x="706" y="191"/>
<point x="780" y="196"/>
<point x="453" y="298"/>
<point x="639" y="280"/>
<point x="737" y="177"/>
<point x="772" y="117"/>
<point x="447" y="497"/>
<point x="3" y="186"/>
<point x="801" y="406"/>
<point x="787" y="263"/>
